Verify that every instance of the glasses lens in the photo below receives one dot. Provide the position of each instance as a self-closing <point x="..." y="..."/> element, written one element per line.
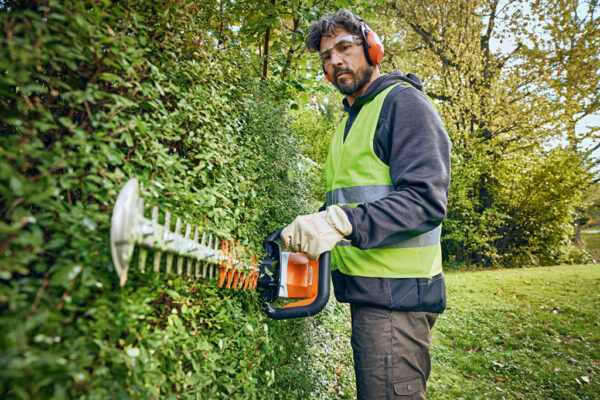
<point x="325" y="55"/>
<point x="342" y="48"/>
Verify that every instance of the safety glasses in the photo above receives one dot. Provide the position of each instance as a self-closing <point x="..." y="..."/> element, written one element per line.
<point x="342" y="47"/>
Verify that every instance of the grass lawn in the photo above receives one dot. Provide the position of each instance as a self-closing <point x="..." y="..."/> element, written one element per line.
<point x="592" y="243"/>
<point x="529" y="333"/>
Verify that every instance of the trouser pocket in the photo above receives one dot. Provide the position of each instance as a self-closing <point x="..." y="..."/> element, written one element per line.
<point x="409" y="389"/>
<point x="380" y="378"/>
<point x="409" y="375"/>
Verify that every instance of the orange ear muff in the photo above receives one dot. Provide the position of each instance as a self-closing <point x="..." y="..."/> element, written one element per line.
<point x="326" y="74"/>
<point x="371" y="43"/>
<point x="374" y="48"/>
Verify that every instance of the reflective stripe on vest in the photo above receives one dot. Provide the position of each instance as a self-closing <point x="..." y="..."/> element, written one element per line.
<point x="406" y="240"/>
<point x="356" y="175"/>
<point x="357" y="194"/>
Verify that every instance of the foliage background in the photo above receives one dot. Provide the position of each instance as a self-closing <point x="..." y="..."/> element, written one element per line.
<point x="95" y="93"/>
<point x="225" y="120"/>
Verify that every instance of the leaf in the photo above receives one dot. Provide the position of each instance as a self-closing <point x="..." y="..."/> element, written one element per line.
<point x="66" y="122"/>
<point x="63" y="276"/>
<point x="110" y="77"/>
<point x="173" y="294"/>
<point x="133" y="352"/>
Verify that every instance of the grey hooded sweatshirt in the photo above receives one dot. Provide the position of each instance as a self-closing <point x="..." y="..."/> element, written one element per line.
<point x="410" y="138"/>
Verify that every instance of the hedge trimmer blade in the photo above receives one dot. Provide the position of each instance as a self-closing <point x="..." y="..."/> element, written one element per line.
<point x="205" y="257"/>
<point x="282" y="274"/>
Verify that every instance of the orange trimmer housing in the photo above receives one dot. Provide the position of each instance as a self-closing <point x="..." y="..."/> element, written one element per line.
<point x="300" y="279"/>
<point x="292" y="275"/>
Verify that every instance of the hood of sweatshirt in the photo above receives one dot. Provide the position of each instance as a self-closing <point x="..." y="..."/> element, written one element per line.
<point x="383" y="82"/>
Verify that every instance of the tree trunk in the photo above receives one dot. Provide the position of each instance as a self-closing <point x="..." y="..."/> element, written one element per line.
<point x="291" y="51"/>
<point x="578" y="231"/>
<point x="266" y="53"/>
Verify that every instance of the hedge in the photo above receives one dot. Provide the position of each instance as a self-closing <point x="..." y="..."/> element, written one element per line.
<point x="93" y="93"/>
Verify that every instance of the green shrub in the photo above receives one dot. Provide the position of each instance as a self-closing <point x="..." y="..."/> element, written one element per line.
<point x="525" y="216"/>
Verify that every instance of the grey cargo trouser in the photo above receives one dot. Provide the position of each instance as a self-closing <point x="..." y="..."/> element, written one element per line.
<point x="391" y="352"/>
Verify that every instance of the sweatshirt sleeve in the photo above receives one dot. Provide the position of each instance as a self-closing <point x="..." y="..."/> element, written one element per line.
<point x="412" y="141"/>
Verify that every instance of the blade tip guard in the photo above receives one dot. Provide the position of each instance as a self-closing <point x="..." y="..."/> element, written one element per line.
<point x="123" y="227"/>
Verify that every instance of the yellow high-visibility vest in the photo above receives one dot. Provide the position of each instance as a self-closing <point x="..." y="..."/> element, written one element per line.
<point x="356" y="175"/>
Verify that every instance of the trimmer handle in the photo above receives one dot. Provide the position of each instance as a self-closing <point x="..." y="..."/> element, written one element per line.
<point x="304" y="310"/>
<point x="273" y="237"/>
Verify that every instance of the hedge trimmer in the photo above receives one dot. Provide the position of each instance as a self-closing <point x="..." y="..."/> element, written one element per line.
<point x="279" y="274"/>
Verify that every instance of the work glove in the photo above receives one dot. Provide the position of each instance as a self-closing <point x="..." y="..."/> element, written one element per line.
<point x="314" y="234"/>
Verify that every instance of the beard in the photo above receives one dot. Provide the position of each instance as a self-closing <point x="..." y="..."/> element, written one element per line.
<point x="355" y="82"/>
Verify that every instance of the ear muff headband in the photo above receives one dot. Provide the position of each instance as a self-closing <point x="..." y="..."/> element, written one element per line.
<point x="371" y="43"/>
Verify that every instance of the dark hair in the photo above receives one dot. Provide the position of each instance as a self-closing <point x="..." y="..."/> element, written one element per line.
<point x="325" y="25"/>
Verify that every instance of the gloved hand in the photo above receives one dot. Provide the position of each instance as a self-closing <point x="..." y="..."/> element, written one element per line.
<point x="314" y="234"/>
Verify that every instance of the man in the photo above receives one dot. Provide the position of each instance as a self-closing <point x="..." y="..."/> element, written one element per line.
<point x="388" y="173"/>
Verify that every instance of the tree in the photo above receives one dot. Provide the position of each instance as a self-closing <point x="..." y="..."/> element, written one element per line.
<point x="567" y="57"/>
<point x="500" y="119"/>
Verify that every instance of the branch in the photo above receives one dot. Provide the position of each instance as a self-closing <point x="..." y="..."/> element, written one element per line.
<point x="485" y="39"/>
<point x="291" y="51"/>
<point x="504" y="59"/>
<point x="596" y="147"/>
<point x="441" y="97"/>
<point x="427" y="38"/>
<point x="266" y="59"/>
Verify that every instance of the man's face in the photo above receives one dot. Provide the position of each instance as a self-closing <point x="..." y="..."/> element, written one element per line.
<point x="344" y="60"/>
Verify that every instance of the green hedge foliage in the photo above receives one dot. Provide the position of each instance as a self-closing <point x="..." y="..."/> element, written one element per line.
<point x="93" y="93"/>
